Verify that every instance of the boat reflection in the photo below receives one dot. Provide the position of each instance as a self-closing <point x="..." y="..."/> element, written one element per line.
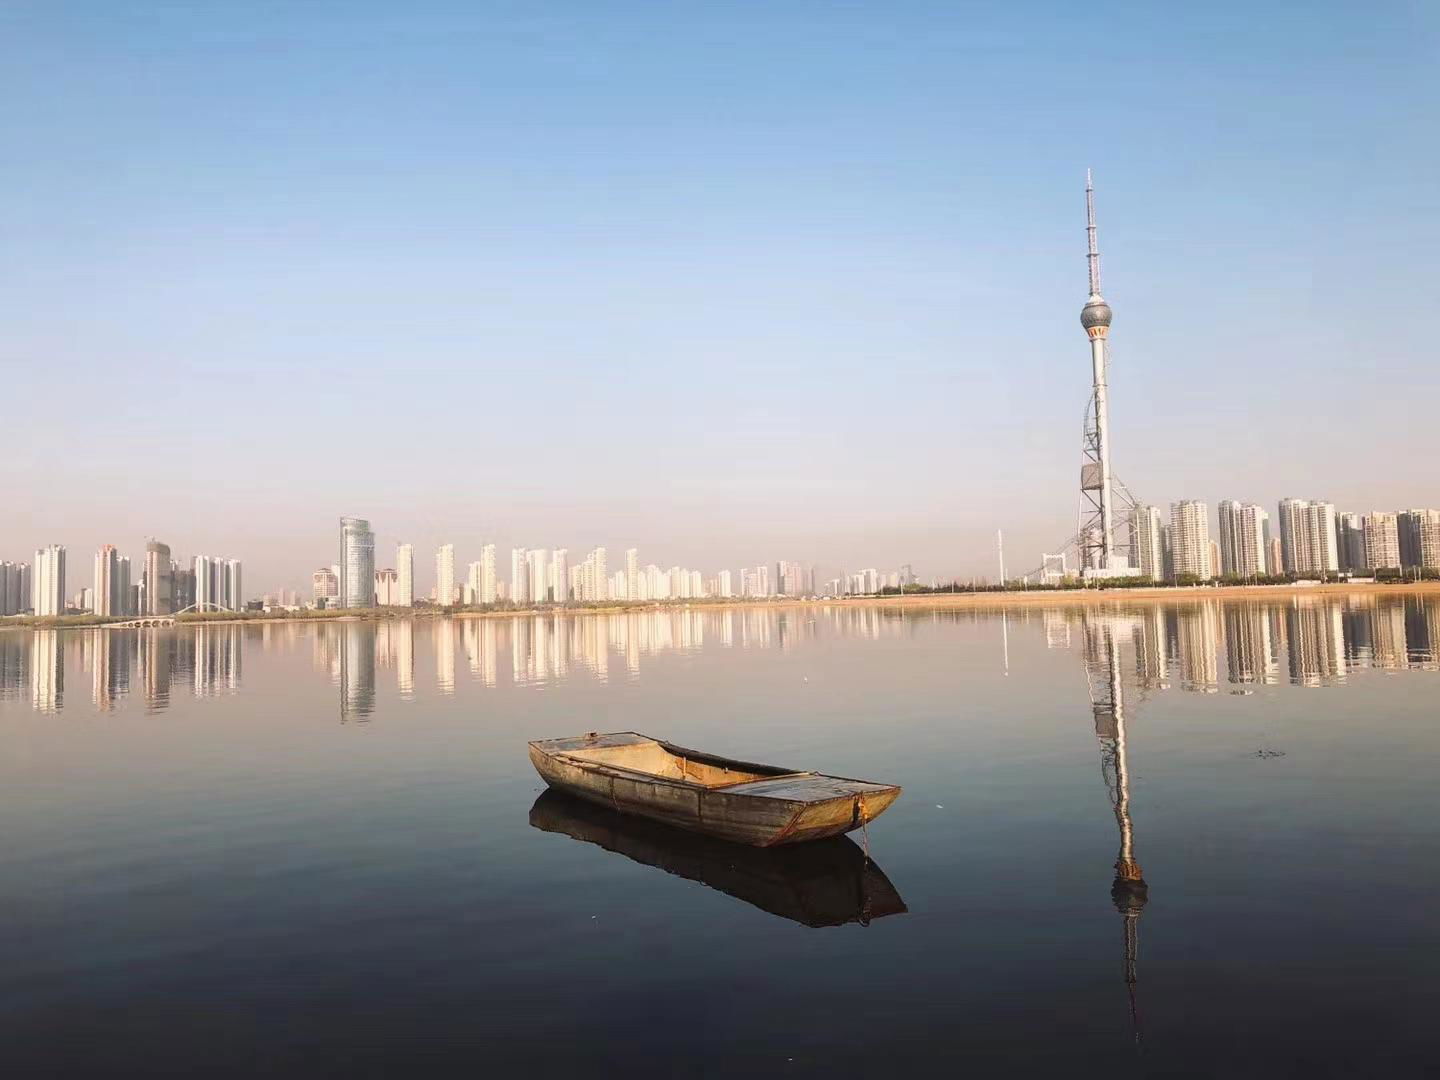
<point x="827" y="883"/>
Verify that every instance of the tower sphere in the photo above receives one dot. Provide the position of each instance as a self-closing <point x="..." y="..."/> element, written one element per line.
<point x="1096" y="312"/>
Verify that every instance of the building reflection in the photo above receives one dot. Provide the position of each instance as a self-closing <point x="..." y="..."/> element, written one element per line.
<point x="357" y="670"/>
<point x="47" y="672"/>
<point x="1196" y="645"/>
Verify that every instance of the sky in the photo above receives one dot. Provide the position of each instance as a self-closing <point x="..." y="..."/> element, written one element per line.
<point x="729" y="282"/>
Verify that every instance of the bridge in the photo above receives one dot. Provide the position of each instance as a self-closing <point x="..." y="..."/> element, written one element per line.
<point x="147" y="621"/>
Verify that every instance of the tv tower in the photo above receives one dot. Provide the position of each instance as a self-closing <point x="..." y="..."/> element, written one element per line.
<point x="1097" y="534"/>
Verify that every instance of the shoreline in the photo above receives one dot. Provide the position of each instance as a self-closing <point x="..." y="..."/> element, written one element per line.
<point x="1008" y="598"/>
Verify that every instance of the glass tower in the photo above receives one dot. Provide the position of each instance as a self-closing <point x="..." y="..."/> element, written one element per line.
<point x="357" y="563"/>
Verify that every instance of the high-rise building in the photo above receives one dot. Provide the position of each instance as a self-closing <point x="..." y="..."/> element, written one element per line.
<point x="632" y="574"/>
<point x="1146" y="541"/>
<point x="49" y="588"/>
<point x="473" y="586"/>
<point x="723" y="588"/>
<point x="1419" y="538"/>
<point x="183" y="582"/>
<point x="14" y="588"/>
<point x="560" y="576"/>
<point x="123" y="602"/>
<point x="1307" y="537"/>
<point x="106" y="574"/>
<point x="1382" y="541"/>
<point x="445" y="575"/>
<point x="519" y="576"/>
<point x="1350" y="542"/>
<point x="387" y="587"/>
<point x="1190" y="538"/>
<point x="234" y="594"/>
<point x="325" y="585"/>
<point x="357" y="563"/>
<point x="159" y="579"/>
<point x="1277" y="557"/>
<point x="539" y="575"/>
<point x="405" y="575"/>
<point x="602" y="575"/>
<point x="488" y="591"/>
<point x="1244" y="538"/>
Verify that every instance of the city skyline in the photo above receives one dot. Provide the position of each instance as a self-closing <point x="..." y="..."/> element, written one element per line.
<point x="769" y="318"/>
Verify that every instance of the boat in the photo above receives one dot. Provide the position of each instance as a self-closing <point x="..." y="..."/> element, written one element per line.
<point x="739" y="801"/>
<point x="827" y="883"/>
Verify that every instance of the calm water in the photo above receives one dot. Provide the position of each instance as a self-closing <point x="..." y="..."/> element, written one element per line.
<point x="319" y="849"/>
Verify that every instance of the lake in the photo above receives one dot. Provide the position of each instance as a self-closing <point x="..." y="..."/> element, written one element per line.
<point x="1180" y="839"/>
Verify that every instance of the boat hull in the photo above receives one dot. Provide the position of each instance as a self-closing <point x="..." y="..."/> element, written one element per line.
<point x="783" y="808"/>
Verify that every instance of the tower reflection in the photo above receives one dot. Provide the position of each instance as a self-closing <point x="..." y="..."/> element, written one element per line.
<point x="1128" y="891"/>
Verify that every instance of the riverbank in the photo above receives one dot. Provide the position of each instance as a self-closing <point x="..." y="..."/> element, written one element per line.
<point x="1011" y="598"/>
<point x="1173" y="594"/>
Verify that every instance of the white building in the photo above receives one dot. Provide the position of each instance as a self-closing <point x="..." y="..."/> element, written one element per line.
<point x="1244" y="538"/>
<point x="387" y="587"/>
<point x="723" y="587"/>
<point x="1147" y="546"/>
<point x="632" y="574"/>
<point x="519" y="576"/>
<point x="1382" y="541"/>
<point x="560" y="575"/>
<point x="405" y="575"/>
<point x="49" y="581"/>
<point x="1190" y="538"/>
<point x="107" y="601"/>
<point x="1307" y="537"/>
<point x="488" y="584"/>
<point x="538" y="574"/>
<point x="445" y="575"/>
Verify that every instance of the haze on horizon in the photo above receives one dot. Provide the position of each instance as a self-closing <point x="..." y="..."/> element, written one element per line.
<point x="796" y="281"/>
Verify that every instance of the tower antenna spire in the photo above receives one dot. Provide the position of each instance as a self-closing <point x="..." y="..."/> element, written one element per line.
<point x="1093" y="258"/>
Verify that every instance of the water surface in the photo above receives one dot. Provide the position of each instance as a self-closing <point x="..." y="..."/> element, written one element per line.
<point x="1178" y="839"/>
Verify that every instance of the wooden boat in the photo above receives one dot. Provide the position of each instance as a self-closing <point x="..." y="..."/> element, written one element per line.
<point x="827" y="883"/>
<point x="761" y="805"/>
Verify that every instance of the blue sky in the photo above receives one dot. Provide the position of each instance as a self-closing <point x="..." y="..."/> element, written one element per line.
<point x="732" y="282"/>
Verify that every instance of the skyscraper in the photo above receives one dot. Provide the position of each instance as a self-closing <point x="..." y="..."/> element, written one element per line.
<point x="357" y="563"/>
<point x="560" y="575"/>
<point x="405" y="576"/>
<point x="1382" y="541"/>
<point x="539" y="575"/>
<point x="488" y="592"/>
<point x="1307" y="537"/>
<point x="234" y="596"/>
<point x="106" y="573"/>
<point x="445" y="575"/>
<point x="1350" y="542"/>
<point x="1190" y="538"/>
<point x="1419" y="538"/>
<point x="632" y="574"/>
<point x="14" y="588"/>
<point x="159" y="580"/>
<point x="49" y="589"/>
<point x="519" y="576"/>
<point x="1244" y="537"/>
<point x="1147" y="546"/>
